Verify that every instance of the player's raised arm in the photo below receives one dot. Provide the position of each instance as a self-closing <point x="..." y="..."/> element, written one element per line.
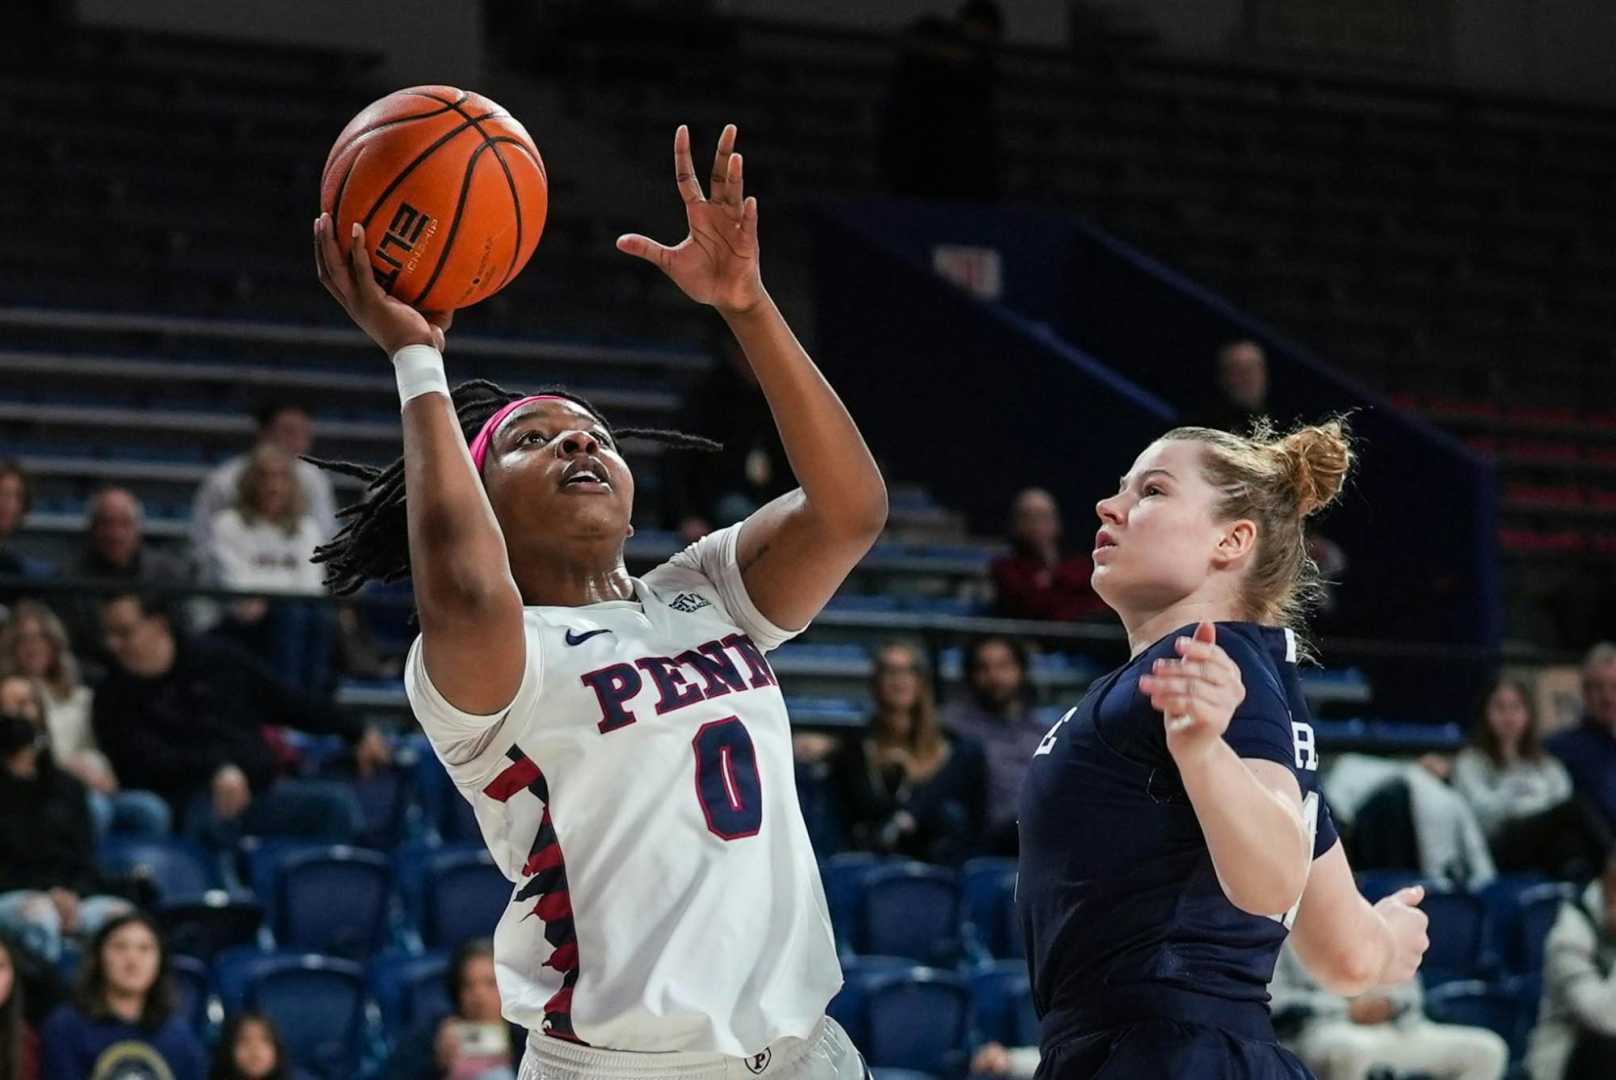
<point x="796" y="551"/>
<point x="470" y="610"/>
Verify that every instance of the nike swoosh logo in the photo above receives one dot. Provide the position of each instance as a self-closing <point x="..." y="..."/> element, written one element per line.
<point x="575" y="638"/>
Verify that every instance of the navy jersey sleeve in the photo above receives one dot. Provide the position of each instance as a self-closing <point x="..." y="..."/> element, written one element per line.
<point x="1273" y="724"/>
<point x="1261" y="725"/>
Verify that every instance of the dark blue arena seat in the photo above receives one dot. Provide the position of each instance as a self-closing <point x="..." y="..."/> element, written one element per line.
<point x="191" y="987"/>
<point x="847" y="1007"/>
<point x="913" y="910"/>
<point x="988" y="889"/>
<point x="463" y="896"/>
<point x="333" y="900"/>
<point x="175" y="867"/>
<point x="918" y="1019"/>
<point x="843" y="877"/>
<point x="1508" y="1007"/>
<point x="1001" y="1004"/>
<point x="1461" y="939"/>
<point x="408" y="988"/>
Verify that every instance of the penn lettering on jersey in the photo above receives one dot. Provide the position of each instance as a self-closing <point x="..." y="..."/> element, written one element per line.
<point x="678" y="682"/>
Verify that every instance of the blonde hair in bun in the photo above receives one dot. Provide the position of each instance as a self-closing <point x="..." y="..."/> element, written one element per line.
<point x="1276" y="481"/>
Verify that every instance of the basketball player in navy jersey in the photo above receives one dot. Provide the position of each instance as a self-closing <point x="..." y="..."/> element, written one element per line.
<point x="1172" y="831"/>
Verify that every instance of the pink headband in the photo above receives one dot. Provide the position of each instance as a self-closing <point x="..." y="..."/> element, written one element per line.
<point x="479" y="445"/>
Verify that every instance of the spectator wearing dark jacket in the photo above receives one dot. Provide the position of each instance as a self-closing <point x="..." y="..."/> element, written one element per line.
<point x="1037" y="580"/>
<point x="48" y="879"/>
<point x="907" y="788"/>
<point x="187" y="718"/>
<point x="1588" y="751"/>
<point x="998" y="715"/>
<point x="115" y="551"/>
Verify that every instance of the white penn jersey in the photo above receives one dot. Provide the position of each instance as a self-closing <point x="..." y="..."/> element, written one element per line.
<point x="639" y="792"/>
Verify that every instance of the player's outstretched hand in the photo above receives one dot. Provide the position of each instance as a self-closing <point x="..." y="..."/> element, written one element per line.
<point x="1197" y="693"/>
<point x="390" y="322"/>
<point x="1408" y="924"/>
<point x="717" y="262"/>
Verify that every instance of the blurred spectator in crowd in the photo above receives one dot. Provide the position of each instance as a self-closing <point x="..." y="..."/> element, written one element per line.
<point x="1575" y="1037"/>
<point x="940" y="129"/>
<point x="1522" y="796"/>
<point x="1242" y="388"/>
<point x="265" y="543"/>
<point x="906" y="788"/>
<point x="190" y="718"/>
<point x="19" y="1047"/>
<point x="1038" y="580"/>
<point x="287" y="427"/>
<point x="48" y="879"/>
<point x="471" y="1042"/>
<point x="34" y="645"/>
<point x="16" y="498"/>
<point x="123" y="1021"/>
<point x="1354" y="1038"/>
<point x="115" y="551"/>
<point x="251" y="1048"/>
<point x="998" y="715"/>
<point x="722" y="489"/>
<point x="116" y="548"/>
<point x="1588" y="751"/>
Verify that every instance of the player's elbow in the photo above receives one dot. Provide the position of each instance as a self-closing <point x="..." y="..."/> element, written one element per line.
<point x="857" y="516"/>
<point x="1348" y="966"/>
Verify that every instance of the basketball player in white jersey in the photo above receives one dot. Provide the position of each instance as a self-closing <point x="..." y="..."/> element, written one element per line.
<point x="623" y="740"/>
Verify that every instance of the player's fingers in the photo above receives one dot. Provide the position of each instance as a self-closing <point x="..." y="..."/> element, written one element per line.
<point x="1193" y="649"/>
<point x="735" y="183"/>
<point x="333" y="270"/>
<point x="1412" y="895"/>
<point x="721" y="164"/>
<point x="1167" y="684"/>
<point x="364" y="279"/>
<point x="643" y="247"/>
<point x="684" y="171"/>
<point x="749" y="226"/>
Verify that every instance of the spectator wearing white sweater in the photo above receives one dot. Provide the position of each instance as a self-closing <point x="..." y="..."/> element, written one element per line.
<point x="1522" y="796"/>
<point x="1575" y="1038"/>
<point x="1350" y="1038"/>
<point x="281" y="424"/>
<point x="34" y="645"/>
<point x="265" y="544"/>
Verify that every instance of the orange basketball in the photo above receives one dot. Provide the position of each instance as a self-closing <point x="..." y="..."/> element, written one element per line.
<point x="450" y="189"/>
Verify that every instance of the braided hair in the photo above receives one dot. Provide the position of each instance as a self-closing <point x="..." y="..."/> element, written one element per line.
<point x="373" y="543"/>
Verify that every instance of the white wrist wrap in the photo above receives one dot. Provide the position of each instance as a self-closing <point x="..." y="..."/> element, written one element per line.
<point x="420" y="371"/>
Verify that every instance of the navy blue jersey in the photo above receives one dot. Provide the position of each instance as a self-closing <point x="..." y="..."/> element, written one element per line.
<point x="1124" y="917"/>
